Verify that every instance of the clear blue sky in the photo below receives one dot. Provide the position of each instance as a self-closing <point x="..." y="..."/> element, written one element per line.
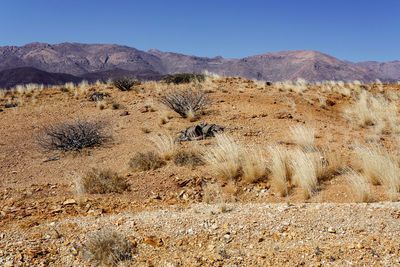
<point x="355" y="30"/>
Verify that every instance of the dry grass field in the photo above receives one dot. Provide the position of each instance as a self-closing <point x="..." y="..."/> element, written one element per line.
<point x="301" y="174"/>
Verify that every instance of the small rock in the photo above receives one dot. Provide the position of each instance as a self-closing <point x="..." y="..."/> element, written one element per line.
<point x="227" y="236"/>
<point x="144" y="109"/>
<point x="331" y="230"/>
<point x="153" y="241"/>
<point x="124" y="113"/>
<point x="70" y="201"/>
<point x="190" y="231"/>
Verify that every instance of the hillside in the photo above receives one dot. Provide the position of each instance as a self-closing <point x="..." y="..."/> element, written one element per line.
<point x="300" y="174"/>
<point x="80" y="59"/>
<point x="11" y="77"/>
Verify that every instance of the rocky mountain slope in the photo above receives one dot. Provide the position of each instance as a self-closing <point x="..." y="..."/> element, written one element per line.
<point x="80" y="59"/>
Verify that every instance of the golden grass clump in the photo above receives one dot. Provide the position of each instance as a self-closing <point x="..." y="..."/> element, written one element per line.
<point x="224" y="157"/>
<point x="145" y="161"/>
<point x="109" y="248"/>
<point x="370" y="110"/>
<point x="254" y="165"/>
<point x="303" y="136"/>
<point x="359" y="186"/>
<point x="99" y="181"/>
<point x="165" y="145"/>
<point x="279" y="169"/>
<point x="304" y="172"/>
<point x="380" y="168"/>
<point x="325" y="164"/>
<point x="189" y="157"/>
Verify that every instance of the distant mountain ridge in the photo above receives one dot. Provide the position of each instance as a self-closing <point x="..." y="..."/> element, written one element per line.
<point x="110" y="60"/>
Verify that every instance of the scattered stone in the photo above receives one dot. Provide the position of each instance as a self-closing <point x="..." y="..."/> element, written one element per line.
<point x="283" y="115"/>
<point x="10" y="105"/>
<point x="144" y="109"/>
<point x="154" y="241"/>
<point x="124" y="113"/>
<point x="199" y="132"/>
<point x="331" y="230"/>
<point x="98" y="96"/>
<point x="70" y="201"/>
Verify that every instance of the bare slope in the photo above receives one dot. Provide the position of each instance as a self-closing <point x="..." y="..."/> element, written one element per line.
<point x="79" y="59"/>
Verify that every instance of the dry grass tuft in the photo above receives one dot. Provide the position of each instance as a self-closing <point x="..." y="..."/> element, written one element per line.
<point x="224" y="157"/>
<point x="190" y="157"/>
<point x="109" y="248"/>
<point x="102" y="182"/>
<point x="326" y="165"/>
<point x="146" y="161"/>
<point x="304" y="172"/>
<point x="303" y="136"/>
<point x="380" y="168"/>
<point x="254" y="165"/>
<point x="166" y="146"/>
<point x="279" y="168"/>
<point x="359" y="186"/>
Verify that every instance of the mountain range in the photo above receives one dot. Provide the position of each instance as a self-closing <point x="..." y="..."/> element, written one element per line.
<point x="58" y="63"/>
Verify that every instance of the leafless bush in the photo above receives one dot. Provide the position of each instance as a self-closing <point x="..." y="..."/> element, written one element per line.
<point x="72" y="136"/>
<point x="109" y="248"/>
<point x="185" y="103"/>
<point x="102" y="182"/>
<point x="125" y="84"/>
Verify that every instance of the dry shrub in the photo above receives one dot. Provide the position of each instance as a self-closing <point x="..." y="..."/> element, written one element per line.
<point x="99" y="181"/>
<point x="108" y="248"/>
<point x="279" y="168"/>
<point x="74" y="135"/>
<point x="124" y="83"/>
<point x="304" y="172"/>
<point x="146" y="161"/>
<point x="224" y="157"/>
<point x="380" y="168"/>
<point x="166" y="146"/>
<point x="181" y="78"/>
<point x="186" y="103"/>
<point x="254" y="165"/>
<point x="303" y="136"/>
<point x="359" y="186"/>
<point x="188" y="158"/>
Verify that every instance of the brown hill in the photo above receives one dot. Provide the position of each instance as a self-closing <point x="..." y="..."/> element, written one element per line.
<point x="24" y="75"/>
<point x="80" y="59"/>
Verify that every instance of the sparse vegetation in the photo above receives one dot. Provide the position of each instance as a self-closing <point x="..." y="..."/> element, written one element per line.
<point x="186" y="103"/>
<point x="224" y="157"/>
<point x="145" y="161"/>
<point x="166" y="146"/>
<point x="108" y="248"/>
<point x="279" y="165"/>
<point x="254" y="165"/>
<point x="124" y="83"/>
<point x="360" y="188"/>
<point x="189" y="157"/>
<point x="303" y="136"/>
<point x="380" y="168"/>
<point x="181" y="78"/>
<point x="99" y="181"/>
<point x="304" y="172"/>
<point x="72" y="136"/>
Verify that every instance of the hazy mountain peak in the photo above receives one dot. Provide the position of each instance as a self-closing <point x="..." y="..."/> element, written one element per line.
<point x="79" y="59"/>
